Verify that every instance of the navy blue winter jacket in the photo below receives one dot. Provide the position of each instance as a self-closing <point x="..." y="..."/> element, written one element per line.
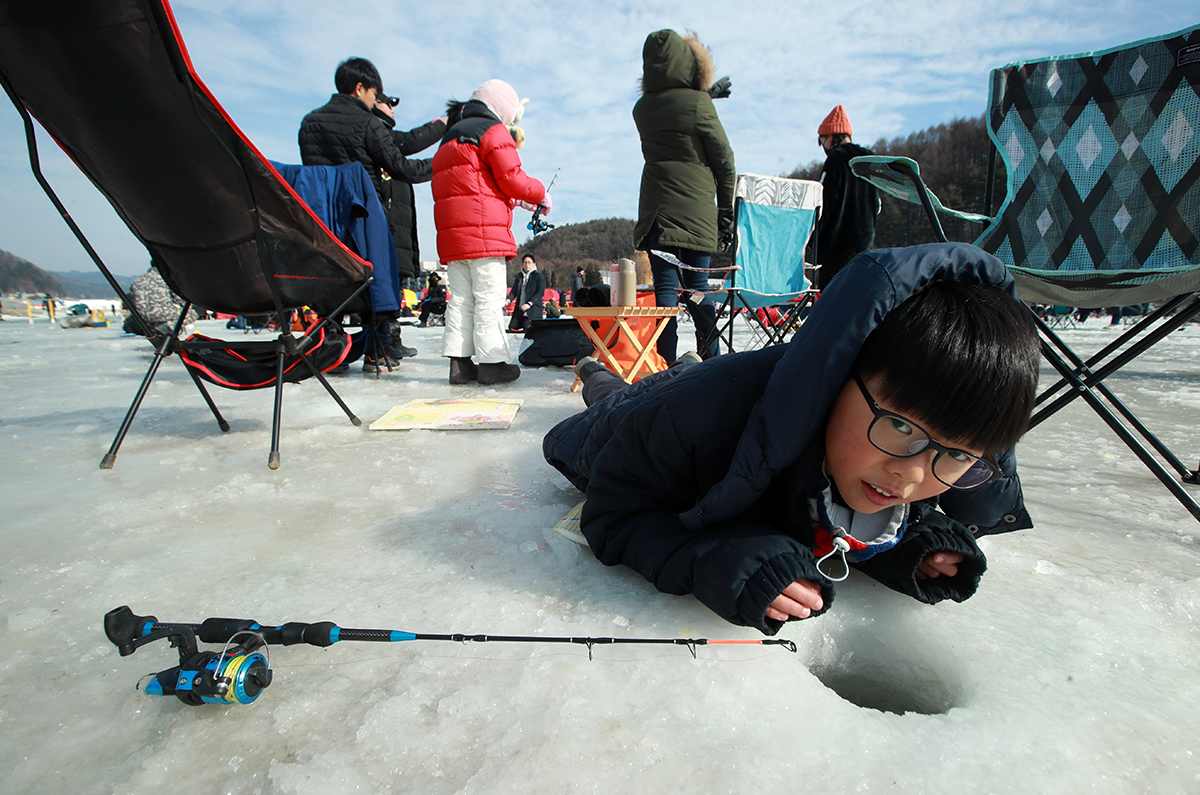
<point x="699" y="477"/>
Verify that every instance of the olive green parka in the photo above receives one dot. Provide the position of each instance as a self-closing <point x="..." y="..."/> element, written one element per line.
<point x="689" y="169"/>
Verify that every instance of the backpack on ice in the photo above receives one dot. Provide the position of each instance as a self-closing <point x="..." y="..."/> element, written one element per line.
<point x="555" y="342"/>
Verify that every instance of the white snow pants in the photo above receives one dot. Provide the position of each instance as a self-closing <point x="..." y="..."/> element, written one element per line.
<point x="475" y="312"/>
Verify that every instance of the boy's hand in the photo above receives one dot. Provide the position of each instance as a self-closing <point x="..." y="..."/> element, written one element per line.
<point x="798" y="599"/>
<point x="939" y="563"/>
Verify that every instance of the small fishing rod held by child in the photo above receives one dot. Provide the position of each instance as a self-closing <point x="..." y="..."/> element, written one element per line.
<point x="538" y="224"/>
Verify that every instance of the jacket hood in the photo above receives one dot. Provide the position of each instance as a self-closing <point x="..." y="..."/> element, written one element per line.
<point x="673" y="61"/>
<point x="475" y="109"/>
<point x="388" y="121"/>
<point x="501" y="99"/>
<point x="820" y="357"/>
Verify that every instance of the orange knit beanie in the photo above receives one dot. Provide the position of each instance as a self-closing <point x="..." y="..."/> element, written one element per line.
<point x="836" y="122"/>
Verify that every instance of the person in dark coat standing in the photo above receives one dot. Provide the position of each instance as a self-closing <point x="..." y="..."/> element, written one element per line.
<point x="850" y="204"/>
<point x="528" y="287"/>
<point x="878" y="437"/>
<point x="397" y="194"/>
<point x="688" y="180"/>
<point x="344" y="130"/>
<point x="576" y="282"/>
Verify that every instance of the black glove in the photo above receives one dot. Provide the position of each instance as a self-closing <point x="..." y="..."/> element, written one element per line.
<point x="721" y="88"/>
<point x="724" y="227"/>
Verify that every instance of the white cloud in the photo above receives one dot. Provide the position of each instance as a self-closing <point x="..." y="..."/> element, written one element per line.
<point x="898" y="67"/>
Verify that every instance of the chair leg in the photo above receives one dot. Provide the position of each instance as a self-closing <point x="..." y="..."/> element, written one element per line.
<point x="110" y="458"/>
<point x="332" y="393"/>
<point x="1094" y="379"/>
<point x="1138" y="330"/>
<point x="161" y="352"/>
<point x="273" y="460"/>
<point x="224" y="426"/>
<point x="1121" y="431"/>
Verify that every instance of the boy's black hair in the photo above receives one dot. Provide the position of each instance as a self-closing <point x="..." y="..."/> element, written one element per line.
<point x="353" y="71"/>
<point x="960" y="358"/>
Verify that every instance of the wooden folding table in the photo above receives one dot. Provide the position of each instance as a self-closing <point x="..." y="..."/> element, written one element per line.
<point x="620" y="315"/>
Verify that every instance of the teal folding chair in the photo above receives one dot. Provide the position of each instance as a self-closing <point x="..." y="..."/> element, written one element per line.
<point x="767" y="288"/>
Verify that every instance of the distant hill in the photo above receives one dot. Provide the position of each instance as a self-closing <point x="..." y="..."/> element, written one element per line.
<point x="19" y="275"/>
<point x="593" y="244"/>
<point x="89" y="284"/>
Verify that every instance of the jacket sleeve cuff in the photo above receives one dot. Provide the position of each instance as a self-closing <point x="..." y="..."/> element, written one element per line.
<point x="897" y="568"/>
<point x="769" y="581"/>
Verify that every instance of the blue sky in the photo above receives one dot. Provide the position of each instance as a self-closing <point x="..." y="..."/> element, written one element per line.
<point x="897" y="67"/>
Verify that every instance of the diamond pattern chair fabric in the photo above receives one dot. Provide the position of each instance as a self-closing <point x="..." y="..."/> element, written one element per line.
<point x="1103" y="158"/>
<point x="1102" y="152"/>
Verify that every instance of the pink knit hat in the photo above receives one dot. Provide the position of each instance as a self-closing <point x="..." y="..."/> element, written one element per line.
<point x="501" y="99"/>
<point x="836" y="122"/>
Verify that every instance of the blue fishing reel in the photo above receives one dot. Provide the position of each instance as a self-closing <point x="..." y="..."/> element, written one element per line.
<point x="234" y="676"/>
<point x="538" y="224"/>
<point x="237" y="674"/>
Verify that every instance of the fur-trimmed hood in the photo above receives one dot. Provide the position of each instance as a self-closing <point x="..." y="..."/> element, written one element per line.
<point x="673" y="61"/>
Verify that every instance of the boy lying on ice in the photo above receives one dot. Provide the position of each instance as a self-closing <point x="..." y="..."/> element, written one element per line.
<point x="912" y="378"/>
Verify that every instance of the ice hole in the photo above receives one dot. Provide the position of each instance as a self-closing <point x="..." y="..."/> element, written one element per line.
<point x="889" y="674"/>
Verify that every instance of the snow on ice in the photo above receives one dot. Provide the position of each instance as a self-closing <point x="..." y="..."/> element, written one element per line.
<point x="1075" y="668"/>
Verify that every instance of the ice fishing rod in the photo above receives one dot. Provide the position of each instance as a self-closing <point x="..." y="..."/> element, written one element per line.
<point x="237" y="674"/>
<point x="537" y="224"/>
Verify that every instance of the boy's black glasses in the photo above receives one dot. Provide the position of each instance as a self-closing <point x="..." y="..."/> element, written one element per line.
<point x="901" y="437"/>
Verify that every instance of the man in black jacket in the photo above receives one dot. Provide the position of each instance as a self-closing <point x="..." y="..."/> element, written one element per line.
<point x="397" y="194"/>
<point x="849" y="205"/>
<point x="346" y="129"/>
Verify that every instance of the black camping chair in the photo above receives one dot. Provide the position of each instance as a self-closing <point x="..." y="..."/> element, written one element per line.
<point x="112" y="83"/>
<point x="1102" y="152"/>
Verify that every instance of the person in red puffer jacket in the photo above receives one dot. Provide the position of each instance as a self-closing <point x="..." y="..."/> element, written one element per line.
<point x="477" y="181"/>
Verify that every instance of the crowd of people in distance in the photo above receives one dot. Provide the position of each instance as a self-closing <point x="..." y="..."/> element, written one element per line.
<point x="685" y="206"/>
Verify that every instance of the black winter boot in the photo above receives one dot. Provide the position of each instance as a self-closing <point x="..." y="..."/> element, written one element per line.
<point x="394" y="347"/>
<point x="463" y="370"/>
<point x="498" y="373"/>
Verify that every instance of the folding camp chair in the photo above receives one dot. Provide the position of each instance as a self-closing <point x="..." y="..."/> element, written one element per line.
<point x="1102" y="152"/>
<point x="766" y="287"/>
<point x="1055" y="316"/>
<point x="111" y="82"/>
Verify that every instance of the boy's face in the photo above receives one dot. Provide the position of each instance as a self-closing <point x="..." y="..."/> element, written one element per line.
<point x="868" y="479"/>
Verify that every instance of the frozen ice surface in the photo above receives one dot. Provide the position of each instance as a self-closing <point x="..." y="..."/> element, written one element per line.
<point x="1075" y="668"/>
